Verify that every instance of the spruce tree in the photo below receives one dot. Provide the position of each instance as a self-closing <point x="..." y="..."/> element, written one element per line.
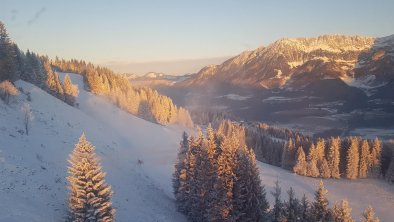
<point x="333" y="158"/>
<point x="342" y="213"/>
<point x="293" y="208"/>
<point x="352" y="159"/>
<point x="304" y="209"/>
<point x="187" y="177"/>
<point x="70" y="90"/>
<point x="301" y="165"/>
<point x="320" y="149"/>
<point x="312" y="169"/>
<point x="364" y="160"/>
<point x="225" y="181"/>
<point x="288" y="155"/>
<point x="369" y="215"/>
<point x="390" y="170"/>
<point x="180" y="163"/>
<point x="199" y="194"/>
<point x="325" y="171"/>
<point x="376" y="157"/>
<point x="320" y="210"/>
<point x="249" y="200"/>
<point x="277" y="212"/>
<point x="90" y="196"/>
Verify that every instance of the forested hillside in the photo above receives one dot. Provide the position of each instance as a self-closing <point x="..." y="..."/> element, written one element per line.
<point x="39" y="70"/>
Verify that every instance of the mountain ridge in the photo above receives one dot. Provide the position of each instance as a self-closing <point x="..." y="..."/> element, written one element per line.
<point x="289" y="61"/>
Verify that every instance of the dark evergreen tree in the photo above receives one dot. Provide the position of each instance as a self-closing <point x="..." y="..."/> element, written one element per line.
<point x="277" y="212"/>
<point x="249" y="200"/>
<point x="319" y="209"/>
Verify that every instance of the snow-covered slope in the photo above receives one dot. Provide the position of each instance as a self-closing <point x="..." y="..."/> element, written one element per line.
<point x="300" y="61"/>
<point x="33" y="167"/>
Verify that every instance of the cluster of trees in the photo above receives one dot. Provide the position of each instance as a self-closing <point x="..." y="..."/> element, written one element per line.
<point x="350" y="157"/>
<point x="353" y="158"/>
<point x="30" y="67"/>
<point x="294" y="209"/>
<point x="217" y="179"/>
<point x="141" y="101"/>
<point x="89" y="196"/>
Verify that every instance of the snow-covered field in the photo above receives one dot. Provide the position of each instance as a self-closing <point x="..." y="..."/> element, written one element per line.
<point x="33" y="167"/>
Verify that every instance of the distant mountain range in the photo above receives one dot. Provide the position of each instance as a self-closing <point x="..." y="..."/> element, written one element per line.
<point x="297" y="62"/>
<point x="333" y="81"/>
<point x="155" y="79"/>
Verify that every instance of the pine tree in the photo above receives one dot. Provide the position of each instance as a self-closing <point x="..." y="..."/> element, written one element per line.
<point x="277" y="212"/>
<point x="320" y="210"/>
<point x="320" y="149"/>
<point x="301" y="165"/>
<point x="390" y="170"/>
<point x="369" y="215"/>
<point x="364" y="160"/>
<point x="70" y="90"/>
<point x="288" y="155"/>
<point x="249" y="200"/>
<point x="304" y="209"/>
<point x="225" y="182"/>
<point x="212" y="171"/>
<point x="186" y="180"/>
<point x="312" y="169"/>
<point x="342" y="213"/>
<point x="180" y="163"/>
<point x="352" y="159"/>
<point x="325" y="171"/>
<point x="6" y="55"/>
<point x="90" y="197"/>
<point x="293" y="207"/>
<point x="199" y="194"/>
<point x="375" y="159"/>
<point x="334" y="157"/>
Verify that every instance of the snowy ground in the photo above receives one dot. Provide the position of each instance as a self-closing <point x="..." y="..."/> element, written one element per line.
<point x="33" y="168"/>
<point x="360" y="193"/>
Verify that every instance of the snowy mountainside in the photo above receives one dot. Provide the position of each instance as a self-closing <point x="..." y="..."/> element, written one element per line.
<point x="33" y="167"/>
<point x="299" y="61"/>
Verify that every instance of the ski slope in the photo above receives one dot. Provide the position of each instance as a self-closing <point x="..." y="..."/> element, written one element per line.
<point x="33" y="167"/>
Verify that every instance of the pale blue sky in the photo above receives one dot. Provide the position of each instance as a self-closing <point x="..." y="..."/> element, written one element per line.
<point x="156" y="32"/>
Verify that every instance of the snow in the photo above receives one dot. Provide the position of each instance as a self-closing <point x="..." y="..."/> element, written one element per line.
<point x="33" y="168"/>
<point x="360" y="193"/>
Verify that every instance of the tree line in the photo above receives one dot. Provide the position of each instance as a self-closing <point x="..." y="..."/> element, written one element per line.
<point x="350" y="157"/>
<point x="141" y="101"/>
<point x="39" y="70"/>
<point x="217" y="179"/>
